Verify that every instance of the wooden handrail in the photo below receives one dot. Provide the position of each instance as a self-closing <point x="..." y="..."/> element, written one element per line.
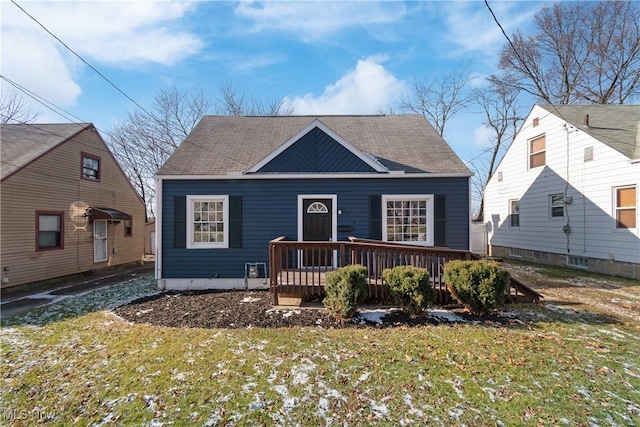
<point x="299" y="267"/>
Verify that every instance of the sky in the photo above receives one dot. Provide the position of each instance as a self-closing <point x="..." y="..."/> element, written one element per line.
<point x="326" y="57"/>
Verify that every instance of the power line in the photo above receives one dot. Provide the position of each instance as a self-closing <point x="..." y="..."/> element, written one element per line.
<point x="83" y="60"/>
<point x="50" y="105"/>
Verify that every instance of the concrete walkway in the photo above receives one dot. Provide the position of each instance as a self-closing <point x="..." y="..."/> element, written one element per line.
<point x="14" y="303"/>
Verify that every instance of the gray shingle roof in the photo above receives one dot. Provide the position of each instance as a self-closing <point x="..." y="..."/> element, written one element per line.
<point x="20" y="144"/>
<point x="219" y="145"/>
<point x="617" y="126"/>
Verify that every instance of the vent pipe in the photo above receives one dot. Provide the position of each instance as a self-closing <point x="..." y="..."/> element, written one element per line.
<point x="586" y="121"/>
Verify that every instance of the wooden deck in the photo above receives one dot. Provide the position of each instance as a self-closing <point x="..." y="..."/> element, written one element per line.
<point x="299" y="268"/>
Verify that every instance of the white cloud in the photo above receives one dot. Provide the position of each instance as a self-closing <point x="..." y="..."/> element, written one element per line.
<point x="367" y="89"/>
<point x="483" y="136"/>
<point x="118" y="34"/>
<point x="470" y="25"/>
<point x="312" y="20"/>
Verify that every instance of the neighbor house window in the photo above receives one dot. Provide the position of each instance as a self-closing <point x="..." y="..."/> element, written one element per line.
<point x="537" y="147"/>
<point x="408" y="218"/>
<point x="207" y="222"/>
<point x="128" y="230"/>
<point x="577" y="261"/>
<point x="625" y="207"/>
<point x="90" y="167"/>
<point x="49" y="230"/>
<point x="514" y="213"/>
<point x="556" y="205"/>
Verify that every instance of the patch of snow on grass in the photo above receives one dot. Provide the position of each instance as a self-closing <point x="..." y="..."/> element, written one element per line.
<point x="380" y="410"/>
<point x="456" y="413"/>
<point x="301" y="372"/>
<point x="408" y="400"/>
<point x="251" y="299"/>
<point x="107" y="298"/>
<point x="290" y="403"/>
<point x="282" y="390"/>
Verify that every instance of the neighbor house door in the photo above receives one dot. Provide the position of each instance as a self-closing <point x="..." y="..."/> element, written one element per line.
<point x="317" y="226"/>
<point x="99" y="241"/>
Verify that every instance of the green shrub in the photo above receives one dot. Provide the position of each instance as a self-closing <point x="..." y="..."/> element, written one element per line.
<point x="346" y="287"/>
<point x="478" y="285"/>
<point x="409" y="287"/>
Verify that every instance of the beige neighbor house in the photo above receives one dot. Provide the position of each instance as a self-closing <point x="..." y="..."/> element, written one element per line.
<point x="66" y="205"/>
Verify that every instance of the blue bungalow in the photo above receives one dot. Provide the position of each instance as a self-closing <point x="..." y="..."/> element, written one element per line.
<point x="237" y="183"/>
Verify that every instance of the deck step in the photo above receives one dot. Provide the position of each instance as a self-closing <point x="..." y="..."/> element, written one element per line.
<point x="290" y="300"/>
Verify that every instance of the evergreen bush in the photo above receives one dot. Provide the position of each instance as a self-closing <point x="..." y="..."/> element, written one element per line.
<point x="345" y="288"/>
<point x="478" y="285"/>
<point x="409" y="287"/>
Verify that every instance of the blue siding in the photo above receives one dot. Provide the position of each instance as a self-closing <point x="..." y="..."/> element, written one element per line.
<point x="270" y="210"/>
<point x="316" y="152"/>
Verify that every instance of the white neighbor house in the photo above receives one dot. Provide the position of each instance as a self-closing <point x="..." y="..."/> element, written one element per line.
<point x="567" y="190"/>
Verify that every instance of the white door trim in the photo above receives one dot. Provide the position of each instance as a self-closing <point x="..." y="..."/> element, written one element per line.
<point x="334" y="220"/>
<point x="100" y="241"/>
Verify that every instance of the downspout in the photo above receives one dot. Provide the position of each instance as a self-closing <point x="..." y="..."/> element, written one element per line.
<point x="565" y="199"/>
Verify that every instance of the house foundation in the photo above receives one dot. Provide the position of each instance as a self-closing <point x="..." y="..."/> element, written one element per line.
<point x="577" y="262"/>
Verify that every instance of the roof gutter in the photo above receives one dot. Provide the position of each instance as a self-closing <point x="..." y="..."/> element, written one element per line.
<point x="297" y="176"/>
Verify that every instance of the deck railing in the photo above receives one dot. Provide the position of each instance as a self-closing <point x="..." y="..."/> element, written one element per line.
<point x="298" y="268"/>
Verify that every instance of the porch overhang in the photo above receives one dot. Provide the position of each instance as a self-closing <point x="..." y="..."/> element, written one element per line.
<point x="108" y="214"/>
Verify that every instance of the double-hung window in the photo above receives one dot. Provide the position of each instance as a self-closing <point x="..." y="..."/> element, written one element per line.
<point x="625" y="206"/>
<point x="49" y="230"/>
<point x="514" y="213"/>
<point x="207" y="222"/>
<point x="90" y="167"/>
<point x="408" y="219"/>
<point x="537" y="150"/>
<point x="556" y="205"/>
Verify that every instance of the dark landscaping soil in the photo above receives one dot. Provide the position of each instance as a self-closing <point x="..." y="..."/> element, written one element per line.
<point x="243" y="309"/>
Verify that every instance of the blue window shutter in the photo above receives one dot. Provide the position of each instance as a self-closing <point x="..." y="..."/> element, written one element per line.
<point x="440" y="220"/>
<point x="180" y="222"/>
<point x="375" y="217"/>
<point x="235" y="221"/>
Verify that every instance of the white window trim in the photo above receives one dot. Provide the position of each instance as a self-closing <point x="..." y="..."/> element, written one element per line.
<point x="410" y="197"/>
<point x="551" y="206"/>
<point x="510" y="213"/>
<point x="191" y="244"/>
<point x="531" y="153"/>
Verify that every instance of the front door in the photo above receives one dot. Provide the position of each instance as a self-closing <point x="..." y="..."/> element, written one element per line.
<point x="317" y="226"/>
<point x="99" y="241"/>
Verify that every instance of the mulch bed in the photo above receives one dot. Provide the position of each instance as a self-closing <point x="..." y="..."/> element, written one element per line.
<point x="244" y="309"/>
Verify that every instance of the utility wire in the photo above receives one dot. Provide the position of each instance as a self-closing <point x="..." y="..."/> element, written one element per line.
<point x="83" y="60"/>
<point x="50" y="105"/>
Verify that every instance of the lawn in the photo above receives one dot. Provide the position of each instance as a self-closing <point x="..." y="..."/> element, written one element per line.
<point x="76" y="362"/>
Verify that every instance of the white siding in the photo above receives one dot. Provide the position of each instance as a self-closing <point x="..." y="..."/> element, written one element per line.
<point x="590" y="184"/>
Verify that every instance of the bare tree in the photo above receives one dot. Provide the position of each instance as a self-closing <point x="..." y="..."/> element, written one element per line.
<point x="14" y="110"/>
<point x="142" y="143"/>
<point x="234" y="101"/>
<point x="439" y="99"/>
<point x="499" y="105"/>
<point x="581" y="52"/>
